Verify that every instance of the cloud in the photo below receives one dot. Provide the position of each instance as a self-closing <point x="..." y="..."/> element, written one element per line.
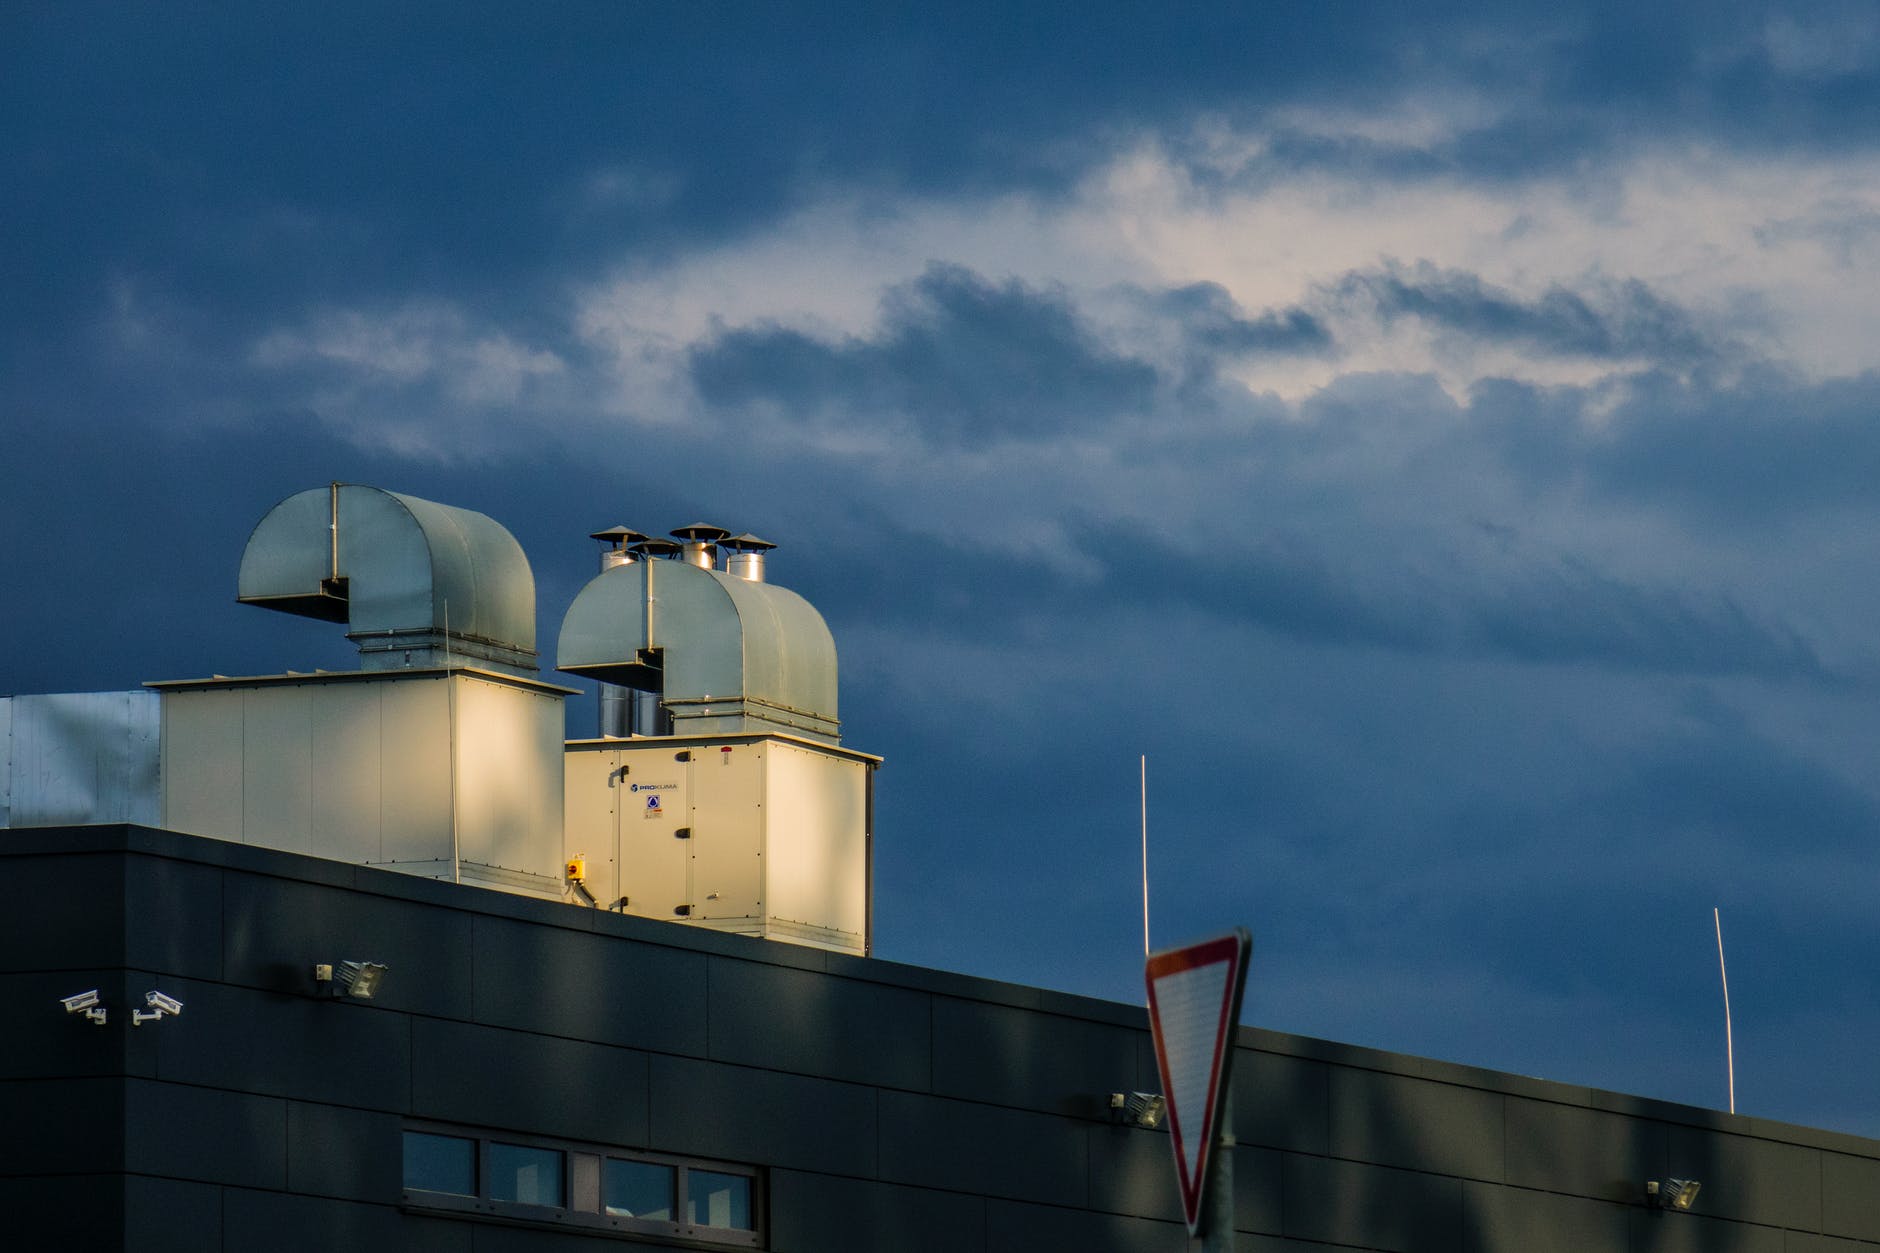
<point x="1610" y="321"/>
<point x="960" y="358"/>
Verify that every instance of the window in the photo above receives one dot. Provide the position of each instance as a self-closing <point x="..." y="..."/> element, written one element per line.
<point x="525" y="1175"/>
<point x="440" y="1163"/>
<point x="635" y="1189"/>
<point x="602" y="1190"/>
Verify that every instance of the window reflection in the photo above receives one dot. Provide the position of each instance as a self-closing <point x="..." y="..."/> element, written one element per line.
<point x="529" y="1176"/>
<point x="440" y="1164"/>
<point x="638" y="1190"/>
<point x="719" y="1200"/>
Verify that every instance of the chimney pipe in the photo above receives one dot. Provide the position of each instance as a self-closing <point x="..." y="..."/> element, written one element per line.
<point x="701" y="539"/>
<point x="747" y="556"/>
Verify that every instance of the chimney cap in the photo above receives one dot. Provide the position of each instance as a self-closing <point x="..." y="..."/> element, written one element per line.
<point x="700" y="533"/>
<point x="618" y="536"/>
<point x="653" y="546"/>
<point x="746" y="543"/>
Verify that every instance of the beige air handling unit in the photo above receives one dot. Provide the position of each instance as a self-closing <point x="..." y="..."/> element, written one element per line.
<point x="745" y="813"/>
<point x="439" y="756"/>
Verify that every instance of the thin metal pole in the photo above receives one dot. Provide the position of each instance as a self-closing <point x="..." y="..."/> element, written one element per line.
<point x="1729" y="1043"/>
<point x="1145" y="854"/>
<point x="1217" y="1204"/>
<point x="450" y="705"/>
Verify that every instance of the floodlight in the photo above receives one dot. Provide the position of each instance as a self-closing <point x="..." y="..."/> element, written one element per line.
<point x="1144" y="1109"/>
<point x="354" y="979"/>
<point x="1678" y="1194"/>
<point x="85" y="1003"/>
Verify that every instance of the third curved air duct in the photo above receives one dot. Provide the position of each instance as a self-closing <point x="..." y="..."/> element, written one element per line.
<point x="724" y="654"/>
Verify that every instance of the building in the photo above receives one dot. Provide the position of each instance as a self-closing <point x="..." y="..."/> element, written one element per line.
<point x="322" y="962"/>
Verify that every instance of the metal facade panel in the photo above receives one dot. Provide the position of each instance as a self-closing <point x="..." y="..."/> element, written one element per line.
<point x="593" y="791"/>
<point x="1030" y="1060"/>
<point x="1749" y="1179"/>
<point x="538" y="1084"/>
<point x="1012" y="1227"/>
<point x="589" y="987"/>
<point x="509" y="778"/>
<point x="816" y="845"/>
<point x="202" y="762"/>
<point x="808" y="1022"/>
<point x="1399" y="1121"/>
<point x="347" y="743"/>
<point x="1280" y="1102"/>
<point x="204" y="1134"/>
<point x="74" y="758"/>
<point x="1496" y="1217"/>
<point x="1568" y="1148"/>
<point x="742" y="1114"/>
<point x="227" y="1030"/>
<point x="171" y="1215"/>
<point x="341" y="1152"/>
<point x="165" y="926"/>
<point x="283" y="1223"/>
<point x="278" y="769"/>
<point x="276" y="929"/>
<point x="822" y="1214"/>
<point x="936" y="1142"/>
<point x="45" y="925"/>
<point x="728" y="821"/>
<point x="1850" y="1201"/>
<point x="1373" y="1207"/>
<point x="655" y="864"/>
<point x="415" y="801"/>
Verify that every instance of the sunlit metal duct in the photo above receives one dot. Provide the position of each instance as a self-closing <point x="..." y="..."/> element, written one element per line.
<point x="700" y="540"/>
<point x="418" y="584"/>
<point x="616" y="702"/>
<point x="747" y="556"/>
<point x="724" y="655"/>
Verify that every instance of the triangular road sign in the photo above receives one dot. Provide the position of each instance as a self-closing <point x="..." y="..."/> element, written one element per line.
<point x="1194" y="1006"/>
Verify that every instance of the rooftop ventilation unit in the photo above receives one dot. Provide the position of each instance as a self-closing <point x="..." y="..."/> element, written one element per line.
<point x="418" y="584"/>
<point x="724" y="654"/>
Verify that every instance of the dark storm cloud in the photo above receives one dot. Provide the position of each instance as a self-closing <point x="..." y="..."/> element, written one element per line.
<point x="1611" y="321"/>
<point x="1766" y="450"/>
<point x="963" y="358"/>
<point x="1212" y="321"/>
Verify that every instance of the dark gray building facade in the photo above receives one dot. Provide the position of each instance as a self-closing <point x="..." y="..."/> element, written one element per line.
<point x="531" y="1073"/>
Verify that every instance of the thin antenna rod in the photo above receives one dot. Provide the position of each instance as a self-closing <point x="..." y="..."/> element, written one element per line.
<point x="1729" y="1045"/>
<point x="1145" y="854"/>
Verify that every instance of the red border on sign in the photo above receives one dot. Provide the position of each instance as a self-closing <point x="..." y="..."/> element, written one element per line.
<point x="1232" y="949"/>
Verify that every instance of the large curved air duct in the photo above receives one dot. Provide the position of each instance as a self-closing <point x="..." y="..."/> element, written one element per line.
<point x="418" y="584"/>
<point x="724" y="654"/>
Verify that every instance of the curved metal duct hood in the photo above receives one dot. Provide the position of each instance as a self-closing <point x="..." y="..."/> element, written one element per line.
<point x="417" y="583"/>
<point x="725" y="655"/>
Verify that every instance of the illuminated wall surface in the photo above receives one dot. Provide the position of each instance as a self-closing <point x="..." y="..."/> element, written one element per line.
<point x="538" y="1076"/>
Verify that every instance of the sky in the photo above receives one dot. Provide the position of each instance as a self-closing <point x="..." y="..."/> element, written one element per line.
<point x="1442" y="439"/>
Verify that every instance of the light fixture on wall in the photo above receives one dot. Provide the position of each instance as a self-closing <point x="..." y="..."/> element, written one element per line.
<point x="161" y="1004"/>
<point x="85" y="1003"/>
<point x="359" y="980"/>
<point x="1675" y="1194"/>
<point x="1141" y="1109"/>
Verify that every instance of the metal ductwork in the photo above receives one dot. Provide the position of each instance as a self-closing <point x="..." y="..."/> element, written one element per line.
<point x="723" y="654"/>
<point x="418" y="584"/>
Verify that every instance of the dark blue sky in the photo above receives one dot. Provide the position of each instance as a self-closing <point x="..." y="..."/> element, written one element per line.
<point x="1442" y="438"/>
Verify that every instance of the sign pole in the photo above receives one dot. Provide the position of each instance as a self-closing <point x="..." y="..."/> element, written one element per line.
<point x="1217" y="1223"/>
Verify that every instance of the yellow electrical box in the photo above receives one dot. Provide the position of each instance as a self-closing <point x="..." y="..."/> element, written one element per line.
<point x="577" y="868"/>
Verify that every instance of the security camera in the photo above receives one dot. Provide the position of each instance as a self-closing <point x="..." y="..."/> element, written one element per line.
<point x="85" y="1003"/>
<point x="163" y="1004"/>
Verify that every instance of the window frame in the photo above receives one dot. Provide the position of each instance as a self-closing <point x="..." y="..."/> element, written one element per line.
<point x="571" y="1213"/>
